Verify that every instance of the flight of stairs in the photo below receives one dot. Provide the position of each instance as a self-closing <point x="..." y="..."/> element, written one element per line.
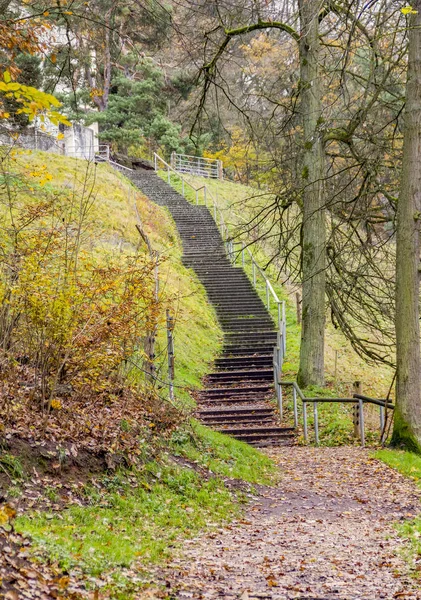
<point x="237" y="397"/>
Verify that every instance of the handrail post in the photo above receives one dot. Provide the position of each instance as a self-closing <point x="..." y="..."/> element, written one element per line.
<point x="214" y="211"/>
<point x="305" y="421"/>
<point x="155" y="161"/>
<point x="242" y="255"/>
<point x="279" y="316"/>
<point x="280" y="356"/>
<point x="284" y="321"/>
<point x="168" y="175"/>
<point x="254" y="272"/>
<point x="197" y="197"/>
<point x="361" y="411"/>
<point x="267" y="295"/>
<point x="294" y="401"/>
<point x="205" y="196"/>
<point x="278" y="388"/>
<point x="316" y="422"/>
<point x="381" y="423"/>
<point x="182" y="187"/>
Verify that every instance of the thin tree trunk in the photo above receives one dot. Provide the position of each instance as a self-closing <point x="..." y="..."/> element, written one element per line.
<point x="311" y="371"/>
<point x="407" y="424"/>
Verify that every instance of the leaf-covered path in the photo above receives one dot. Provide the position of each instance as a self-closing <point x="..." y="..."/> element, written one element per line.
<point x="326" y="532"/>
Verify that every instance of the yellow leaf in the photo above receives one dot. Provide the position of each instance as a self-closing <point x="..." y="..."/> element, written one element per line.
<point x="408" y="10"/>
<point x="6" y="514"/>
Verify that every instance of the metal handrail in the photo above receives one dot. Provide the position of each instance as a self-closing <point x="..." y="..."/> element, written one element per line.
<point x="212" y="160"/>
<point x="206" y="167"/>
<point x="356" y="399"/>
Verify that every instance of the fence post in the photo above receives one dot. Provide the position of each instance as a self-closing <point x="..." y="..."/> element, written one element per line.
<point x="170" y="350"/>
<point x="316" y="422"/>
<point x="305" y="421"/>
<point x="294" y="401"/>
<point x="361" y="411"/>
<point x="220" y="170"/>
<point x="358" y="389"/>
<point x="279" y="316"/>
<point x="284" y="325"/>
<point x="278" y="388"/>
<point x="381" y="423"/>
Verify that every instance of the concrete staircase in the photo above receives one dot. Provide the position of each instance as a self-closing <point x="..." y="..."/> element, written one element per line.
<point x="237" y="395"/>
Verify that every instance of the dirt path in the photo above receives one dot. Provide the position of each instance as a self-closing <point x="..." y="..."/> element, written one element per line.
<point x="324" y="534"/>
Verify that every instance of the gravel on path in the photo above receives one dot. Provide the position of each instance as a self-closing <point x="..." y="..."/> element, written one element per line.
<point x="326" y="532"/>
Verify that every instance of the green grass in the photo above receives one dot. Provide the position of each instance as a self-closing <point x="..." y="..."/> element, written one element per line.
<point x="141" y="518"/>
<point x="11" y="465"/>
<point x="408" y="464"/>
<point x="223" y="455"/>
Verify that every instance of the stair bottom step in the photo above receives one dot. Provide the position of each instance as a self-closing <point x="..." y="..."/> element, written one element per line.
<point x="217" y="424"/>
<point x="239" y="410"/>
<point x="231" y="401"/>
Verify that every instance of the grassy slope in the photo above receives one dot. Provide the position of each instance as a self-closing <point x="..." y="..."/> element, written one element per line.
<point x="335" y="420"/>
<point x="113" y="217"/>
<point x="139" y="516"/>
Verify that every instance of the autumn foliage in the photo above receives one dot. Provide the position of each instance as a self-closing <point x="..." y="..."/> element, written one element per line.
<point x="72" y="317"/>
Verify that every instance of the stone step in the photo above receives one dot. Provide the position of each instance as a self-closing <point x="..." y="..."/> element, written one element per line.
<point x="239" y="392"/>
<point x="227" y="377"/>
<point x="238" y="410"/>
<point x="258" y="434"/>
<point x="237" y="351"/>
<point x="232" y="364"/>
<point x="251" y="421"/>
<point x="249" y="326"/>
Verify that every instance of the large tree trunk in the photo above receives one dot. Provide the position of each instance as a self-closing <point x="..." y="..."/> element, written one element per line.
<point x="311" y="369"/>
<point x="407" y="426"/>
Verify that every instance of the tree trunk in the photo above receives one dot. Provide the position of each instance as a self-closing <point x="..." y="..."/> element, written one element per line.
<point x="311" y="371"/>
<point x="407" y="424"/>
